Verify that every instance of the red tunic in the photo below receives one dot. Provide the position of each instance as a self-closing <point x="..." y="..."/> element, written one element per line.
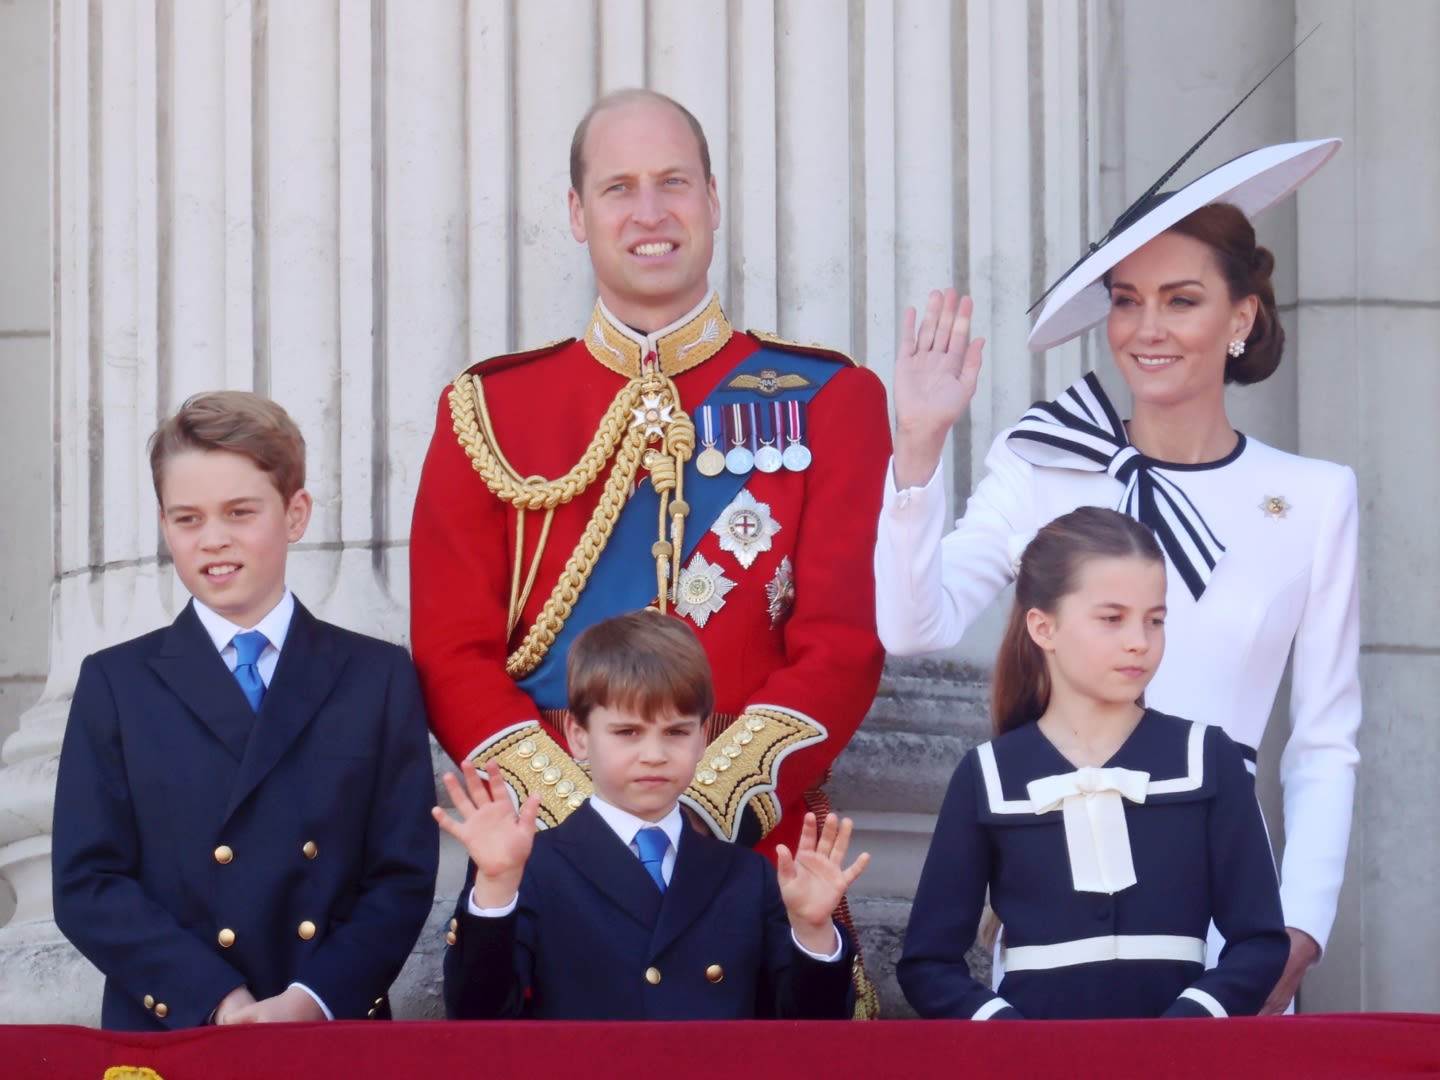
<point x="822" y="661"/>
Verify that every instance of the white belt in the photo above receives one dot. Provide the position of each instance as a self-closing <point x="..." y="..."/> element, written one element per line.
<point x="1097" y="950"/>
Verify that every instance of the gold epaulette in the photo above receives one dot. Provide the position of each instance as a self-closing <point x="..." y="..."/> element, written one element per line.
<point x="530" y="761"/>
<point x="774" y="341"/>
<point x="739" y="768"/>
<point x="492" y="364"/>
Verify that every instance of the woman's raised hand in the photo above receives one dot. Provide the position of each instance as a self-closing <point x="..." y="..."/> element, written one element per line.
<point x="936" y="370"/>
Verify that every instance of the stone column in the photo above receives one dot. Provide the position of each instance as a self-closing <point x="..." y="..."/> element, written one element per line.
<point x="25" y="535"/>
<point x="216" y="213"/>
<point x="1368" y="321"/>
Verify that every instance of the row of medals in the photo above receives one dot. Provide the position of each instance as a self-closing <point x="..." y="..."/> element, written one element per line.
<point x="740" y="459"/>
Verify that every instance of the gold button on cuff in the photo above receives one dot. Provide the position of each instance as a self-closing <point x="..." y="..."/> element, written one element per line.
<point x="714" y="973"/>
<point x="226" y="937"/>
<point x="306" y="930"/>
<point x="454" y="924"/>
<point x="149" y="1001"/>
<point x="310" y="850"/>
<point x="223" y="854"/>
<point x="371" y="1014"/>
<point x="162" y="1010"/>
<point x="652" y="976"/>
<point x="450" y="937"/>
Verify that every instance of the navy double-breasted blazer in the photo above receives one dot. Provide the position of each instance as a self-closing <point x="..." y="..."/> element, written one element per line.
<point x="592" y="938"/>
<point x="199" y="846"/>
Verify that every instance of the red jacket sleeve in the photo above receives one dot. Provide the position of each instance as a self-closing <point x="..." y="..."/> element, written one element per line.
<point x="459" y="598"/>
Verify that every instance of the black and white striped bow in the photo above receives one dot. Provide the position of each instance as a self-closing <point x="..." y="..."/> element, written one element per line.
<point x="1081" y="430"/>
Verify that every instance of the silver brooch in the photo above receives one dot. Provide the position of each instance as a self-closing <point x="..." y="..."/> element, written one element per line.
<point x="701" y="591"/>
<point x="745" y="528"/>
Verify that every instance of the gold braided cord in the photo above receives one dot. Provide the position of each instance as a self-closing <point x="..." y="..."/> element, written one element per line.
<point x="520" y="595"/>
<point x="513" y="615"/>
<point x="618" y="438"/>
<point x="471" y="419"/>
<point x="540" y="546"/>
<point x="551" y="619"/>
<point x="679" y="444"/>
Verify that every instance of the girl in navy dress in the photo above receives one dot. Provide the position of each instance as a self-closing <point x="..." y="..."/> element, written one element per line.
<point x="1109" y="835"/>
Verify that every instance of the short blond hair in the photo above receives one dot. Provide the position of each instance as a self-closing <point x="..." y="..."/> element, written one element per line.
<point x="645" y="663"/>
<point x="237" y="422"/>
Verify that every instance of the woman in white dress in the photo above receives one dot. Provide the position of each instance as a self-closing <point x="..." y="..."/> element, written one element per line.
<point x="1261" y="544"/>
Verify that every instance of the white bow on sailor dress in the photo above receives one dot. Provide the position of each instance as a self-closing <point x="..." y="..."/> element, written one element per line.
<point x="1096" y="835"/>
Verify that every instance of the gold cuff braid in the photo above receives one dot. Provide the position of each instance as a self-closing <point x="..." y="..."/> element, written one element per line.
<point x="530" y="760"/>
<point x="739" y="768"/>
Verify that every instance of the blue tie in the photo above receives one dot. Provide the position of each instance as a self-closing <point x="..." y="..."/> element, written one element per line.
<point x="248" y="647"/>
<point x="653" y="843"/>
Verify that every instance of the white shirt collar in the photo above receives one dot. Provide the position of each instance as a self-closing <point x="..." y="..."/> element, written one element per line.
<point x="626" y="824"/>
<point x="274" y="625"/>
<point x="651" y="342"/>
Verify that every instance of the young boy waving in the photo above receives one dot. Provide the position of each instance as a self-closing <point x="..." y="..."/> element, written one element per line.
<point x="624" y="910"/>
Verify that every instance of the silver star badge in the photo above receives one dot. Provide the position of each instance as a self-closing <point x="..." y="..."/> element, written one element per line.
<point x="651" y="415"/>
<point x="745" y="528"/>
<point x="1274" y="507"/>
<point x="701" y="591"/>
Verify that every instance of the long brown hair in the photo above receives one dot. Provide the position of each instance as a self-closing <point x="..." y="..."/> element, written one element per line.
<point x="1050" y="571"/>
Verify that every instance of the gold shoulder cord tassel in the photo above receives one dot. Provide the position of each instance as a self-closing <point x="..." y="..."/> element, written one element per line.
<point x="645" y="411"/>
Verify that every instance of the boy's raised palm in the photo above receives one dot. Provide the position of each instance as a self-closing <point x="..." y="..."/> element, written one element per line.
<point x="497" y="839"/>
<point x="814" y="878"/>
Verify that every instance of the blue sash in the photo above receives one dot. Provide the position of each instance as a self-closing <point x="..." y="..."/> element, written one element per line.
<point x="622" y="579"/>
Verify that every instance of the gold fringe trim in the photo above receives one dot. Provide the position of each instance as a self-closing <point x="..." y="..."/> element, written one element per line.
<point x="867" y="998"/>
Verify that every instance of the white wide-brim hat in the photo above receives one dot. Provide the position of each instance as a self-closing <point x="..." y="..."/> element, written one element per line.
<point x="1252" y="182"/>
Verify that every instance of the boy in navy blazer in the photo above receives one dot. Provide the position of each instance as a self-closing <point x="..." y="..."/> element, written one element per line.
<point x="625" y="911"/>
<point x="240" y="816"/>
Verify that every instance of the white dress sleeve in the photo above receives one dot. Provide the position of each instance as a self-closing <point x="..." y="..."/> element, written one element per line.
<point x="1317" y="768"/>
<point x="930" y="586"/>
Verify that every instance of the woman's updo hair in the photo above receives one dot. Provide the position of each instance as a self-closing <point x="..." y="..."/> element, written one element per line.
<point x="1050" y="571"/>
<point x="1246" y="269"/>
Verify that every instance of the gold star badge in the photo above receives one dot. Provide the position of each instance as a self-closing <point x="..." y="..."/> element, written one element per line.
<point x="1274" y="507"/>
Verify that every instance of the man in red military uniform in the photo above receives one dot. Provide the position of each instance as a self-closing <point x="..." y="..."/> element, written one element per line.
<point x="661" y="459"/>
